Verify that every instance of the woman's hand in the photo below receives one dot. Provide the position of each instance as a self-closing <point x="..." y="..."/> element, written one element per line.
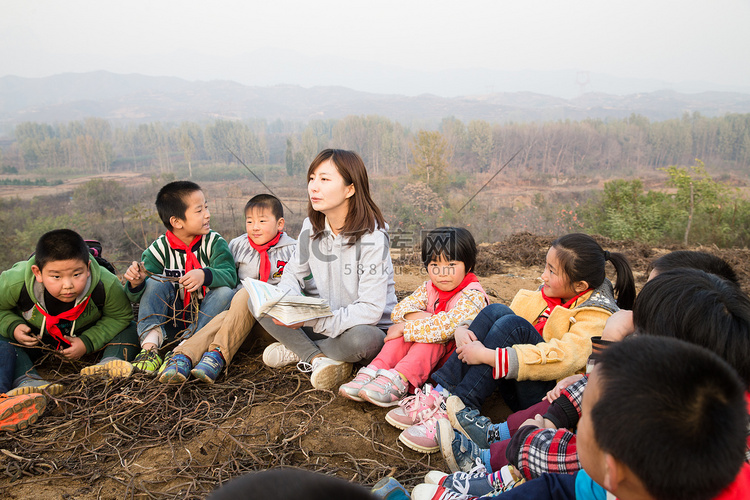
<point x="294" y="326"/>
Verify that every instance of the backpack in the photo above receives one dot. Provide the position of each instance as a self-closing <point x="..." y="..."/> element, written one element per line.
<point x="95" y="249"/>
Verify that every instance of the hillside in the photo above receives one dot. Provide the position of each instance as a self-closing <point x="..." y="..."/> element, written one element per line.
<point x="144" y="99"/>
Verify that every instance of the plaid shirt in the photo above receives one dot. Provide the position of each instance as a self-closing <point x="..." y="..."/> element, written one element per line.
<point x="565" y="411"/>
<point x="540" y="450"/>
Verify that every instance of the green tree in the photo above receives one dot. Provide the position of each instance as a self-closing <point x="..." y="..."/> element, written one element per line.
<point x="480" y="137"/>
<point x="289" y="157"/>
<point x="430" y="151"/>
<point x="697" y="194"/>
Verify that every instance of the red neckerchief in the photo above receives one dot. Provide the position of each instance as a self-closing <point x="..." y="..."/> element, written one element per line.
<point x="445" y="297"/>
<point x="191" y="261"/>
<point x="265" y="262"/>
<point x="52" y="321"/>
<point x="553" y="302"/>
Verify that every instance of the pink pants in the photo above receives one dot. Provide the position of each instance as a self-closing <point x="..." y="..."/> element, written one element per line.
<point x="413" y="360"/>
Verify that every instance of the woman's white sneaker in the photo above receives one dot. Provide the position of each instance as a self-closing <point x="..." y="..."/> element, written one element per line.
<point x="277" y="355"/>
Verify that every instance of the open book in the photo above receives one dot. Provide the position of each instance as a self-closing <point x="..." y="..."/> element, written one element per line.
<point x="268" y="300"/>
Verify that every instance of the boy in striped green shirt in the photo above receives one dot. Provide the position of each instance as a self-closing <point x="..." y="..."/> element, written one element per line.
<point x="200" y="266"/>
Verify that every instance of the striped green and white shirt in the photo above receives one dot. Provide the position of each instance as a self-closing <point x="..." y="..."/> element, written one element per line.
<point x="212" y="252"/>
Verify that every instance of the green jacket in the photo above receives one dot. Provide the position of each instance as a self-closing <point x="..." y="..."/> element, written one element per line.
<point x="94" y="327"/>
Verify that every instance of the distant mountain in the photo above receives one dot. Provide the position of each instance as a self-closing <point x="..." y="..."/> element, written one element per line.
<point x="139" y="99"/>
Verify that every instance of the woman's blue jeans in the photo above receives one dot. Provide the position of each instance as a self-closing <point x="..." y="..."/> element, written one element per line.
<point x="495" y="326"/>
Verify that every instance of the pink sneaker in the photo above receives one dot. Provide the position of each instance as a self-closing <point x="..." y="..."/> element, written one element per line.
<point x="385" y="389"/>
<point x="422" y="437"/>
<point x="422" y="405"/>
<point x="351" y="389"/>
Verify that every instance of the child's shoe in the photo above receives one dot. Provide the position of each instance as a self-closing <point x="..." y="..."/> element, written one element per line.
<point x="112" y="368"/>
<point x="326" y="373"/>
<point x="389" y="488"/>
<point x="351" y="389"/>
<point x="209" y="367"/>
<point x="478" y="482"/>
<point x="459" y="452"/>
<point x="426" y="491"/>
<point x="147" y="361"/>
<point x="277" y="355"/>
<point x="176" y="369"/>
<point x="422" y="437"/>
<point x="30" y="385"/>
<point x="471" y="423"/>
<point x="414" y="409"/>
<point x="18" y="412"/>
<point x="384" y="390"/>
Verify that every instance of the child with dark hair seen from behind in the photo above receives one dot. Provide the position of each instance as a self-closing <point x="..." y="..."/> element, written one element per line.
<point x="61" y="298"/>
<point x="662" y="419"/>
<point x="261" y="253"/>
<point x="196" y="256"/>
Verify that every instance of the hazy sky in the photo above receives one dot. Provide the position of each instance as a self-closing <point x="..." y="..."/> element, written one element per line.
<point x="670" y="41"/>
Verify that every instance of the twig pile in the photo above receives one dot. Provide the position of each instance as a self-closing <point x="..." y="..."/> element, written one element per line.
<point x="138" y="438"/>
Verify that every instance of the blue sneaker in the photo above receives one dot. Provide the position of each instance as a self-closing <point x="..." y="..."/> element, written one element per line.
<point x="209" y="367"/>
<point x="459" y="452"/>
<point x="470" y="422"/>
<point x="389" y="488"/>
<point x="176" y="369"/>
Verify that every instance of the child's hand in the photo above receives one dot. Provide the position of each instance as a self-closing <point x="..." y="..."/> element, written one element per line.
<point x="295" y="326"/>
<point x="463" y="336"/>
<point x="555" y="392"/>
<point x="475" y="353"/>
<point x="136" y="274"/>
<point x="75" y="350"/>
<point x="618" y="326"/>
<point x="395" y="331"/>
<point x="192" y="280"/>
<point x="539" y="421"/>
<point x="23" y="335"/>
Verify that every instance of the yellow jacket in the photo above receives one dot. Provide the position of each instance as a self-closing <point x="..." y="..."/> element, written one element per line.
<point x="567" y="333"/>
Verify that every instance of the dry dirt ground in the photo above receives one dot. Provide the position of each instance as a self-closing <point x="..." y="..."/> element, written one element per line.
<point x="137" y="438"/>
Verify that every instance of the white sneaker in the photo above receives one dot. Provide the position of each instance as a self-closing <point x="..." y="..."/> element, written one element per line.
<point x="277" y="355"/>
<point x="327" y="373"/>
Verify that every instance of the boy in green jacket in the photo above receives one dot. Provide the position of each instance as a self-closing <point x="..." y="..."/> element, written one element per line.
<point x="61" y="298"/>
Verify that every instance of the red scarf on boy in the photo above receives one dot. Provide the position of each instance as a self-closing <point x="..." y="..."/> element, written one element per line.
<point x="69" y="315"/>
<point x="265" y="262"/>
<point x="553" y="302"/>
<point x="445" y="297"/>
<point x="191" y="261"/>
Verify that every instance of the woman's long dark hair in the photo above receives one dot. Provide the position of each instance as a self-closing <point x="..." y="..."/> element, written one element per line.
<point x="364" y="216"/>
